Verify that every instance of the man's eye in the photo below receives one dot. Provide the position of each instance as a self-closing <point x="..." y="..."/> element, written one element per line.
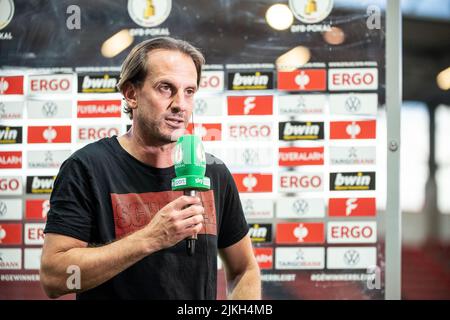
<point x="165" y="88"/>
<point x="190" y="92"/>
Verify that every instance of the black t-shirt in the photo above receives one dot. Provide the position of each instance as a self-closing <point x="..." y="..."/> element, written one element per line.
<point x="102" y="193"/>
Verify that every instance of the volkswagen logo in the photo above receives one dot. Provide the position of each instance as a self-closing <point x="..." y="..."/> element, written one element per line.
<point x="351" y="257"/>
<point x="200" y="107"/>
<point x="352" y="104"/>
<point x="49" y="109"/>
<point x="300" y="207"/>
<point x="250" y="156"/>
<point x="3" y="208"/>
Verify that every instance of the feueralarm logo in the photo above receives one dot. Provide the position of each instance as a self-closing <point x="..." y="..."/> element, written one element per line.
<point x="99" y="109"/>
<point x="352" y="207"/>
<point x="250" y="105"/>
<point x="353" y="129"/>
<point x="299" y="156"/>
<point x="10" y="159"/>
<point x="302" y="80"/>
<point x="49" y="134"/>
<point x="294" y="233"/>
<point x="264" y="257"/>
<point x="11" y="85"/>
<point x="253" y="182"/>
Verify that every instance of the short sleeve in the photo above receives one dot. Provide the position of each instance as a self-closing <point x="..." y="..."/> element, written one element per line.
<point x="233" y="226"/>
<point x="71" y="202"/>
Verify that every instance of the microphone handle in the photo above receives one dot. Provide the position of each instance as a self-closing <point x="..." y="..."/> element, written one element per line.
<point x="190" y="242"/>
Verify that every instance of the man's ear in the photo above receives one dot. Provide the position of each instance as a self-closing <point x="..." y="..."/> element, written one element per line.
<point x="130" y="95"/>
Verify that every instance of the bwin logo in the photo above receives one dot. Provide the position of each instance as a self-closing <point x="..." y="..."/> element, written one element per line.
<point x="351" y="257"/>
<point x="99" y="83"/>
<point x="49" y="109"/>
<point x="42" y="183"/>
<point x="252" y="80"/>
<point x="353" y="104"/>
<point x="301" y="129"/>
<point x="300" y="207"/>
<point x="258" y="232"/>
<point x="8" y="134"/>
<point x="352" y="180"/>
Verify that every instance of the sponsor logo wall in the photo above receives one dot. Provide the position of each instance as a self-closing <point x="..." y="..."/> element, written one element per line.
<point x="301" y="147"/>
<point x="299" y="141"/>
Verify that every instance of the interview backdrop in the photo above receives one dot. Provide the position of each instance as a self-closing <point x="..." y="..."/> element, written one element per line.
<point x="291" y="99"/>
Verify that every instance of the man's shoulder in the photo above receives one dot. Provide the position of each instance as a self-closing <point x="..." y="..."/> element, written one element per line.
<point x="93" y="152"/>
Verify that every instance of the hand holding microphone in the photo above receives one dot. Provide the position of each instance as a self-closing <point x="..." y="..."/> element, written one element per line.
<point x="190" y="168"/>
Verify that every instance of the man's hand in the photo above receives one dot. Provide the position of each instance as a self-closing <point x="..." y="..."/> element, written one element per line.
<point x="179" y="219"/>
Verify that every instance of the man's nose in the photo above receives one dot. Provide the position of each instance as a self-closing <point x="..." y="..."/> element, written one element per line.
<point x="179" y="102"/>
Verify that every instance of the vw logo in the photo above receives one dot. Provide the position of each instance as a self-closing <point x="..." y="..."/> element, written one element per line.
<point x="353" y="104"/>
<point x="2" y="109"/>
<point x="200" y="106"/>
<point x="300" y="207"/>
<point x="3" y="208"/>
<point x="351" y="257"/>
<point x="49" y="109"/>
<point x="250" y="156"/>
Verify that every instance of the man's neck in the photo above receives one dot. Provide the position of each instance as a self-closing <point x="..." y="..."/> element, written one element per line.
<point x="151" y="153"/>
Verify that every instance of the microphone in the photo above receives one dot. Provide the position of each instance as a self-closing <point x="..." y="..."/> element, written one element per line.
<point x="190" y="168"/>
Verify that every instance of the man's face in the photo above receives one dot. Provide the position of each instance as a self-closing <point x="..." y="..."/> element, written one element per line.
<point x="166" y="98"/>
